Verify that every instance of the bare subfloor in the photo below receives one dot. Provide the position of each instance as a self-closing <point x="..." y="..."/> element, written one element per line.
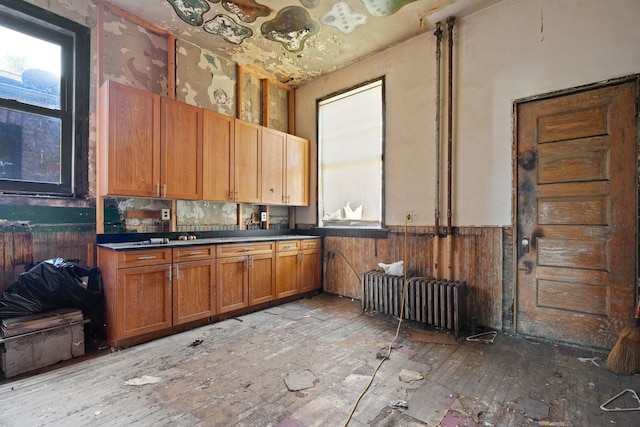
<point x="241" y="373"/>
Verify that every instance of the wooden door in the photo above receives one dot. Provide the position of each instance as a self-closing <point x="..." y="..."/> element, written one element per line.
<point x="181" y="142"/>
<point x="130" y="146"/>
<point x="143" y="300"/>
<point x="297" y="171"/>
<point x="218" y="157"/>
<point x="576" y="215"/>
<point x="261" y="278"/>
<point x="194" y="290"/>
<point x="273" y="152"/>
<point x="232" y="283"/>
<point x="248" y="165"/>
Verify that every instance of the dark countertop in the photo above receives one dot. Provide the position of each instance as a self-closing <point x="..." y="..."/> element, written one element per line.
<point x="143" y="244"/>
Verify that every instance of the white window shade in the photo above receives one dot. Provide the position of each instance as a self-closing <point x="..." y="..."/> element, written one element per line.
<point x="351" y="136"/>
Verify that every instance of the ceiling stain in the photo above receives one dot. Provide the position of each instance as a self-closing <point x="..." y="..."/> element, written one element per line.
<point x="246" y="10"/>
<point x="384" y="7"/>
<point x="343" y="18"/>
<point x="190" y="11"/>
<point x="228" y="29"/>
<point x="291" y="27"/>
<point x="310" y="4"/>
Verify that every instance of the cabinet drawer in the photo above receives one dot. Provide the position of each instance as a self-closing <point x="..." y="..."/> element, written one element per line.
<point x="288" y="245"/>
<point x="188" y="253"/>
<point x="136" y="257"/>
<point x="311" y="244"/>
<point x="240" y="249"/>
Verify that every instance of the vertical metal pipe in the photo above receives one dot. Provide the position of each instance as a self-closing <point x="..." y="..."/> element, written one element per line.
<point x="438" y="34"/>
<point x="450" y="24"/>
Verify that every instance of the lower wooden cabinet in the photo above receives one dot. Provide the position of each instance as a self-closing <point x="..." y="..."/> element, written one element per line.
<point x="245" y="275"/>
<point x="150" y="292"/>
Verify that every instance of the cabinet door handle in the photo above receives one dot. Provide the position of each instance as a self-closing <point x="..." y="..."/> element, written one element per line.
<point x="147" y="257"/>
<point x="248" y="249"/>
<point x="196" y="253"/>
<point x="164" y="191"/>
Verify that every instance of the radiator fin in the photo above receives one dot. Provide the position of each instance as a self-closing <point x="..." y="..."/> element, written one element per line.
<point x="434" y="302"/>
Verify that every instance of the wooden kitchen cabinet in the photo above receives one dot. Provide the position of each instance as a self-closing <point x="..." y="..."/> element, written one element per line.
<point x="181" y="150"/>
<point x="194" y="283"/>
<point x="137" y="292"/>
<point x="151" y="146"/>
<point x="248" y="162"/>
<point x="129" y="152"/>
<point x="297" y="171"/>
<point x="285" y="169"/>
<point x="287" y="268"/>
<point x="273" y="167"/>
<point x="218" y="156"/>
<point x="310" y="265"/>
<point x="298" y="267"/>
<point x="245" y="275"/>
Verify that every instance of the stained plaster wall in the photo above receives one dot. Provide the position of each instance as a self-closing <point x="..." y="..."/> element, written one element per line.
<point x="512" y="50"/>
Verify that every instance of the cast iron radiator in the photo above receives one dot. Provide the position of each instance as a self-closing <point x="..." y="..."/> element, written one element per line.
<point x="435" y="302"/>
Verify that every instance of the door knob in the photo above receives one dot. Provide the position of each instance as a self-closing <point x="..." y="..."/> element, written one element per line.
<point x="525" y="245"/>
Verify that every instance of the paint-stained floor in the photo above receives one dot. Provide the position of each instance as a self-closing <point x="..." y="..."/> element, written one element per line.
<point x="306" y="363"/>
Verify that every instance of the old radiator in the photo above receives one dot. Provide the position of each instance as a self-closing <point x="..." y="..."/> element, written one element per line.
<point x="434" y="302"/>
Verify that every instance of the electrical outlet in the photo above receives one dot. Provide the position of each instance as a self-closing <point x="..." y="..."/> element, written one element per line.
<point x="166" y="214"/>
<point x="409" y="216"/>
<point x="263" y="216"/>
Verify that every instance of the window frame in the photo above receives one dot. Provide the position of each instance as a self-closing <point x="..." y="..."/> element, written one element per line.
<point x="353" y="224"/>
<point x="75" y="42"/>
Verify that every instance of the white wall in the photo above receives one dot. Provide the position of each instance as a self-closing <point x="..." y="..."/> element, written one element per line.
<point x="512" y="50"/>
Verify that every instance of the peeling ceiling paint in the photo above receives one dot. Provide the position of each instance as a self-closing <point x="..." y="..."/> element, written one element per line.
<point x="295" y="41"/>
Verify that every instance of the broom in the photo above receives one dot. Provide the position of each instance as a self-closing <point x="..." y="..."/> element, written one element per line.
<point x="625" y="355"/>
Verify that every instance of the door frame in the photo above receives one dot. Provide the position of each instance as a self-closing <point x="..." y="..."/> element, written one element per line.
<point x="514" y="158"/>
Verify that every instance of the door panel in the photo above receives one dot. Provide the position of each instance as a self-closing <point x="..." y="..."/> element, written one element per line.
<point x="576" y="215"/>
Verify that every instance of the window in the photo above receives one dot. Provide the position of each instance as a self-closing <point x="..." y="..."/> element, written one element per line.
<point x="350" y="141"/>
<point x="44" y="102"/>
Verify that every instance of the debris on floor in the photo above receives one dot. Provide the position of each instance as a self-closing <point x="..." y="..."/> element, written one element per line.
<point x="410" y="376"/>
<point x="300" y="380"/>
<point x="145" y="379"/>
<point x="399" y="404"/>
<point x="195" y="343"/>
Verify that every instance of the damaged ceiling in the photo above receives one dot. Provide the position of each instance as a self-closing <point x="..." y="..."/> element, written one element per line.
<point x="295" y="41"/>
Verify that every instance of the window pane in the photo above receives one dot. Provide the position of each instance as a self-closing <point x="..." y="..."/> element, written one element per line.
<point x="30" y="148"/>
<point x="350" y="132"/>
<point x="29" y="69"/>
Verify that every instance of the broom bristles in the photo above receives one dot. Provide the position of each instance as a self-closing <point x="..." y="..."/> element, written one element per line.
<point x="624" y="358"/>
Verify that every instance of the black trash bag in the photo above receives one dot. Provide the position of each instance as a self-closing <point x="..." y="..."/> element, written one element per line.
<point x="51" y="285"/>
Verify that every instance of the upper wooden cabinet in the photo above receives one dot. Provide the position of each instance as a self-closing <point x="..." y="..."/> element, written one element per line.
<point x="285" y="169"/>
<point x="181" y="150"/>
<point x="151" y="146"/>
<point x="297" y="171"/>
<point x="129" y="152"/>
<point x="218" y="157"/>
<point x="273" y="166"/>
<point x="248" y="164"/>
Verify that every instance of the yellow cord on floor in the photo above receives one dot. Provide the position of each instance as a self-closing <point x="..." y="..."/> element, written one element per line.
<point x="385" y="357"/>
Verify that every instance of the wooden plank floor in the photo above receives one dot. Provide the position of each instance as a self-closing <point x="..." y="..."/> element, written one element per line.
<point x="236" y="377"/>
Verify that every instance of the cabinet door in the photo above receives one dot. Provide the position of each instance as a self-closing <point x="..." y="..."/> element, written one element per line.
<point x="194" y="290"/>
<point x="232" y="283"/>
<point x="143" y="300"/>
<point x="248" y="163"/>
<point x="218" y="157"/>
<point x="262" y="278"/>
<point x="310" y="268"/>
<point x="273" y="168"/>
<point x="297" y="171"/>
<point x="287" y="278"/>
<point x="181" y="150"/>
<point x="129" y="149"/>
